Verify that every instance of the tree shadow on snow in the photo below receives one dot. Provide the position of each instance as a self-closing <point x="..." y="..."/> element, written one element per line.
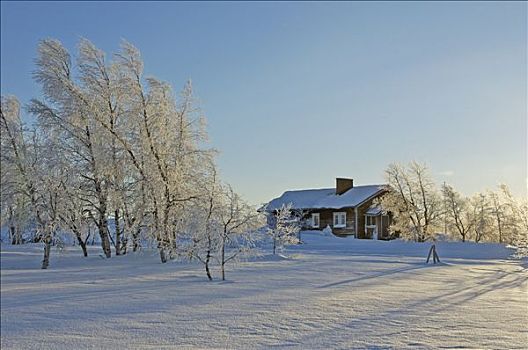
<point x="384" y="273"/>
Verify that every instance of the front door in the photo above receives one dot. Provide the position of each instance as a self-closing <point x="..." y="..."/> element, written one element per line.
<point x="371" y="227"/>
<point x="372" y="232"/>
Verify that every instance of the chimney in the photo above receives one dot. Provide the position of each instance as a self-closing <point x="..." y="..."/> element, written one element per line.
<point x="343" y="185"/>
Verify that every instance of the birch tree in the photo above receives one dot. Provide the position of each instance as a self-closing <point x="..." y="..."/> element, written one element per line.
<point x="413" y="200"/>
<point x="25" y="175"/>
<point x="205" y="229"/>
<point x="221" y="228"/>
<point x="285" y="227"/>
<point x="169" y="133"/>
<point x="124" y="147"/>
<point x="483" y="221"/>
<point x="15" y="182"/>
<point x="71" y="111"/>
<point x="517" y="221"/>
<point x="238" y="221"/>
<point x="13" y="170"/>
<point x="458" y="212"/>
<point x="502" y="208"/>
<point x="73" y="211"/>
<point x="520" y="234"/>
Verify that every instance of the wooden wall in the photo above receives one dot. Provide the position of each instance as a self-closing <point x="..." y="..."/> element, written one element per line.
<point x="326" y="217"/>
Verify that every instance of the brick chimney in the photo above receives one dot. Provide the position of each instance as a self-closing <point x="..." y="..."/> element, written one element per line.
<point x="343" y="185"/>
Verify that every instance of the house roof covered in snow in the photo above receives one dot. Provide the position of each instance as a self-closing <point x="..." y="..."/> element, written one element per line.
<point x="325" y="198"/>
<point x="374" y="210"/>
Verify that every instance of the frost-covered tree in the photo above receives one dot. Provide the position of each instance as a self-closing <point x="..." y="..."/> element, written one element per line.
<point x="221" y="228"/>
<point x="482" y="217"/>
<point x="70" y="111"/>
<point x="126" y="148"/>
<point x="413" y="200"/>
<point x="48" y="176"/>
<point x="517" y="218"/>
<point x="73" y="211"/>
<point x="285" y="227"/>
<point x="27" y="177"/>
<point x="498" y="211"/>
<point x="502" y="206"/>
<point x="16" y="181"/>
<point x="520" y="234"/>
<point x="136" y="148"/>
<point x="165" y="149"/>
<point x="239" y="222"/>
<point x="458" y="213"/>
<point x="203" y="227"/>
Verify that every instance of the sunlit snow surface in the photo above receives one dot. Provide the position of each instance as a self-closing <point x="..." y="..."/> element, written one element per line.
<point x="331" y="293"/>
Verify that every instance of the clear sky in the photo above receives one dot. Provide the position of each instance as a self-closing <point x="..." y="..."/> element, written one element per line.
<point x="299" y="93"/>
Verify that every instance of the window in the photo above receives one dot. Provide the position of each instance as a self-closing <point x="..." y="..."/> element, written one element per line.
<point x="340" y="219"/>
<point x="371" y="221"/>
<point x="315" y="220"/>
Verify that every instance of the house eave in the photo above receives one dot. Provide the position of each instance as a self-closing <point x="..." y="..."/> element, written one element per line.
<point x="382" y="189"/>
<point x="380" y="192"/>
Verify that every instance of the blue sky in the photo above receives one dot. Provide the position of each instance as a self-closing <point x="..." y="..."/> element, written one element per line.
<point x="299" y="93"/>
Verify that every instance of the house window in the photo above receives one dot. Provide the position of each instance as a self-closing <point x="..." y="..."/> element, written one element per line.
<point x="340" y="219"/>
<point x="315" y="220"/>
<point x="371" y="221"/>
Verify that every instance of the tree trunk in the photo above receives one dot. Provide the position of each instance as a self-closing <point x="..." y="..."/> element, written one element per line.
<point x="163" y="255"/>
<point x="104" y="234"/>
<point x="12" y="228"/>
<point x="135" y="240"/>
<point x="274" y="245"/>
<point x="47" y="251"/>
<point x="83" y="247"/>
<point x="93" y="237"/>
<point x="14" y="235"/>
<point x="207" y="260"/>
<point x="117" y="233"/>
<point x="223" y="260"/>
<point x="82" y="243"/>
<point x="102" y="223"/>
<point x="499" y="226"/>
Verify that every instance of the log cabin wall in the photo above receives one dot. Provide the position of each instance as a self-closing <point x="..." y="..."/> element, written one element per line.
<point x="326" y="218"/>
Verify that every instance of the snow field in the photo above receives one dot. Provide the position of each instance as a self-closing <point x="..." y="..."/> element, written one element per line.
<point x="329" y="293"/>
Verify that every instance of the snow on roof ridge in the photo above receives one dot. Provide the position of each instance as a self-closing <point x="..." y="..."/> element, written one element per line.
<point x="325" y="198"/>
<point x="311" y="189"/>
<point x="333" y="188"/>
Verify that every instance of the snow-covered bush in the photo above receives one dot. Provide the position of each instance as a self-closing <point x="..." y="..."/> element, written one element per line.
<point x="285" y="227"/>
<point x="327" y="231"/>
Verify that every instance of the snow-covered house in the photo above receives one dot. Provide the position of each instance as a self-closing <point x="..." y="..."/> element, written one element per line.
<point x="347" y="209"/>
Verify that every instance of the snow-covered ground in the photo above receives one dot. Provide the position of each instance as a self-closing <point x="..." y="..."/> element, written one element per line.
<point x="331" y="293"/>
